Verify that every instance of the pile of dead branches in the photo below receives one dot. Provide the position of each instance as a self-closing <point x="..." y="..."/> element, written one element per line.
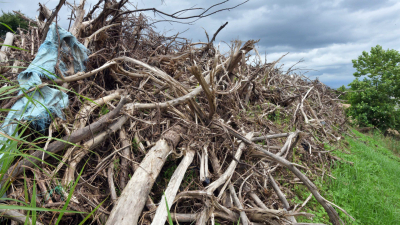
<point x="212" y="131"/>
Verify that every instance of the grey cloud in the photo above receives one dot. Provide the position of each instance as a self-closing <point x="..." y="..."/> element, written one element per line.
<point x="356" y="5"/>
<point x="327" y="34"/>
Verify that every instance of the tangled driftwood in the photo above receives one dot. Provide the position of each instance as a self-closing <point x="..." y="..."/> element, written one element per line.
<point x="230" y="124"/>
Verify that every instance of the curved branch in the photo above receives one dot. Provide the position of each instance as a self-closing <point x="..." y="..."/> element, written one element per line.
<point x="199" y="16"/>
<point x="88" y="39"/>
<point x="81" y="75"/>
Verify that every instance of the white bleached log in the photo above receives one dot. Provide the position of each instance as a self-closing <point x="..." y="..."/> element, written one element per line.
<point x="172" y="188"/>
<point x="4" y="49"/>
<point x="133" y="198"/>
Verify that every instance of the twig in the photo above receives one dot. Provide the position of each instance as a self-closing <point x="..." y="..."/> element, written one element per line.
<point x="50" y="20"/>
<point x="111" y="185"/>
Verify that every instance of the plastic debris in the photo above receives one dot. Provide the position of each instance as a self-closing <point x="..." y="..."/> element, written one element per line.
<point x="40" y="107"/>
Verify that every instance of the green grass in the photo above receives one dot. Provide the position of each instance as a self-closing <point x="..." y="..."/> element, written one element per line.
<point x="369" y="190"/>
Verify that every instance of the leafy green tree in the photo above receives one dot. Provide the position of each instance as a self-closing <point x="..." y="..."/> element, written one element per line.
<point x="375" y="98"/>
<point x="13" y="21"/>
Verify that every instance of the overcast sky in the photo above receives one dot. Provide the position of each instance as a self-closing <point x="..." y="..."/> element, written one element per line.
<point x="327" y="35"/>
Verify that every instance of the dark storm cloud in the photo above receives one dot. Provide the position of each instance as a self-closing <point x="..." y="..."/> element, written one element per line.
<point x="326" y="34"/>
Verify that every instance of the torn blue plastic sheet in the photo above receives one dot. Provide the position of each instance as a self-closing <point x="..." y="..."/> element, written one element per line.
<point x="46" y="103"/>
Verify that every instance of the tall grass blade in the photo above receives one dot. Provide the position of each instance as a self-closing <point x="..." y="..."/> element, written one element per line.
<point x="10" y="46"/>
<point x="169" y="213"/>
<point x="71" y="192"/>
<point x="33" y="202"/>
<point x="7" y="27"/>
<point x="91" y="213"/>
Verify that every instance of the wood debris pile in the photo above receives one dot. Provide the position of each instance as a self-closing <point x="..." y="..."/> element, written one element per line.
<point x="225" y="138"/>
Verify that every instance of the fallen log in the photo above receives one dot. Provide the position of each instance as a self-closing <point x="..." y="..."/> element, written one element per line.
<point x="166" y="76"/>
<point x="5" y="46"/>
<point x="223" y="179"/>
<point x="172" y="188"/>
<point x="270" y="137"/>
<point x="243" y="217"/>
<point x="230" y="170"/>
<point x="133" y="198"/>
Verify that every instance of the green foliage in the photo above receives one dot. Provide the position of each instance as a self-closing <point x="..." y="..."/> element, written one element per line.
<point x="13" y="21"/>
<point x="117" y="165"/>
<point x="135" y="145"/>
<point x="343" y="93"/>
<point x="279" y="118"/>
<point x="71" y="192"/>
<point x="374" y="99"/>
<point x="169" y="171"/>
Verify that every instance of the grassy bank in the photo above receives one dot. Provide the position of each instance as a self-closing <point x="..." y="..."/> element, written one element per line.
<point x="367" y="182"/>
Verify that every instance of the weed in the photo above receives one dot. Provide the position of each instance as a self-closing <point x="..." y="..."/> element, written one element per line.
<point x="169" y="171"/>
<point x="116" y="165"/>
<point x="190" y="176"/>
<point x="104" y="110"/>
<point x="135" y="145"/>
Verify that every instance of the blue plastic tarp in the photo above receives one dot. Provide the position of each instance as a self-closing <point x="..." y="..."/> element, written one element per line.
<point x="46" y="103"/>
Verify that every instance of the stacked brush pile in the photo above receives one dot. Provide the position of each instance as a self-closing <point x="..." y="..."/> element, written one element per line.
<point x="159" y="127"/>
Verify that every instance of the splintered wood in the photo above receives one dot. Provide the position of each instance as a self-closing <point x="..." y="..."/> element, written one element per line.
<point x="158" y="126"/>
